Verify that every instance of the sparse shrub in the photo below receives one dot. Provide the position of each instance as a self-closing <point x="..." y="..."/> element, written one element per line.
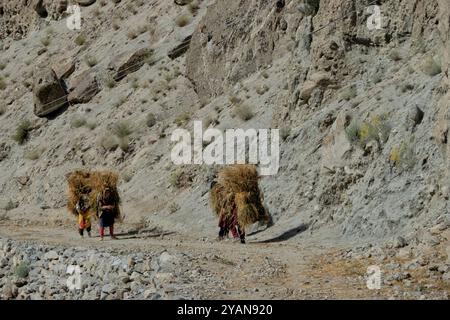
<point x="91" y="125"/>
<point x="46" y="41"/>
<point x="262" y="89"/>
<point x="135" y="84"/>
<point x="2" y="66"/>
<point x="2" y="110"/>
<point x="377" y="77"/>
<point x="116" y="25"/>
<point x="120" y="102"/>
<point x="127" y="175"/>
<point x="108" y="142"/>
<point x="349" y="93"/>
<point x="22" y="270"/>
<point x="352" y="131"/>
<point x="174" y="207"/>
<point x="234" y="99"/>
<point x="34" y="154"/>
<point x="90" y="61"/>
<point x="377" y="129"/>
<point x="11" y="205"/>
<point x="132" y="34"/>
<point x="244" y="112"/>
<point x="431" y="67"/>
<point x="175" y="179"/>
<point x="182" y="119"/>
<point x="193" y="7"/>
<point x="183" y="20"/>
<point x="22" y="132"/>
<point x="150" y="120"/>
<point x="110" y="82"/>
<point x="395" y="55"/>
<point x="403" y="156"/>
<point x="3" y="84"/>
<point x="80" y="40"/>
<point x="124" y="144"/>
<point x="265" y="74"/>
<point x="122" y="129"/>
<point x="78" y="122"/>
<point x="407" y="87"/>
<point x="285" y="133"/>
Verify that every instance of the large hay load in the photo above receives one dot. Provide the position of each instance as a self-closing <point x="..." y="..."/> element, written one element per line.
<point x="92" y="184"/>
<point x="237" y="186"/>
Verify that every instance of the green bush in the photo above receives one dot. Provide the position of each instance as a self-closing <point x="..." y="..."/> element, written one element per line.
<point x="376" y="129"/>
<point x="22" y="270"/>
<point x="78" y="122"/>
<point x="3" y="84"/>
<point x="183" y="20"/>
<point x="22" y="132"/>
<point x="244" y="112"/>
<point x="80" y="40"/>
<point x="122" y="129"/>
<point x="150" y="120"/>
<point x="403" y="156"/>
<point x="431" y="67"/>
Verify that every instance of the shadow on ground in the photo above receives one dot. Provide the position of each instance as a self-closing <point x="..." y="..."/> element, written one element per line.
<point x="287" y="235"/>
<point x="145" y="233"/>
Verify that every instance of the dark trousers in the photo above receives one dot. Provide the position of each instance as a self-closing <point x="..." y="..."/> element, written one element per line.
<point x="81" y="231"/>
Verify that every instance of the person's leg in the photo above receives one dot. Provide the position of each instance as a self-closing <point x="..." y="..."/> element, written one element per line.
<point x="241" y="234"/>
<point x="88" y="229"/>
<point x="234" y="232"/>
<point x="222" y="233"/>
<point x="102" y="232"/>
<point x="111" y="231"/>
<point x="80" y="231"/>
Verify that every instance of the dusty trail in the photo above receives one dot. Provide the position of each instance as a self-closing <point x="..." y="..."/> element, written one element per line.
<point x="291" y="271"/>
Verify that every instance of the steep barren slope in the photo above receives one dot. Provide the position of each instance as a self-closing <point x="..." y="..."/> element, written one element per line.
<point x="364" y="112"/>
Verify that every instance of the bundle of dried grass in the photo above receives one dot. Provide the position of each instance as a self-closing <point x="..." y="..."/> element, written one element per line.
<point x="92" y="184"/>
<point x="240" y="178"/>
<point x="238" y="188"/>
<point x="79" y="184"/>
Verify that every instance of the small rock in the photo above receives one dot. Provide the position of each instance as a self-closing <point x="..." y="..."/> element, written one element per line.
<point x="51" y="255"/>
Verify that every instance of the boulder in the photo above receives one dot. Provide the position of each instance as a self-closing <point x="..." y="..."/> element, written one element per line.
<point x="336" y="146"/>
<point x="49" y="94"/>
<point x="63" y="69"/>
<point x="316" y="80"/>
<point x="129" y="62"/>
<point x="83" y="88"/>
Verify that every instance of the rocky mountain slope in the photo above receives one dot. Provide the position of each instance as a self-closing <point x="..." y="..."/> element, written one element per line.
<point x="363" y="113"/>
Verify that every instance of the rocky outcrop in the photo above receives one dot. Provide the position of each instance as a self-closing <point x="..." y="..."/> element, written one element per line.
<point x="229" y="44"/>
<point x="83" y="88"/>
<point x="129" y="62"/>
<point x="48" y="92"/>
<point x="18" y="18"/>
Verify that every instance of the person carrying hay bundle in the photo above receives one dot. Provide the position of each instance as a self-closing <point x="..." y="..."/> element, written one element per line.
<point x="84" y="216"/>
<point x="107" y="201"/>
<point x="237" y="201"/>
<point x="107" y="212"/>
<point x="79" y="203"/>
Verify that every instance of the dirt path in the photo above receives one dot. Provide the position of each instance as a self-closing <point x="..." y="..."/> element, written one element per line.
<point x="282" y="270"/>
